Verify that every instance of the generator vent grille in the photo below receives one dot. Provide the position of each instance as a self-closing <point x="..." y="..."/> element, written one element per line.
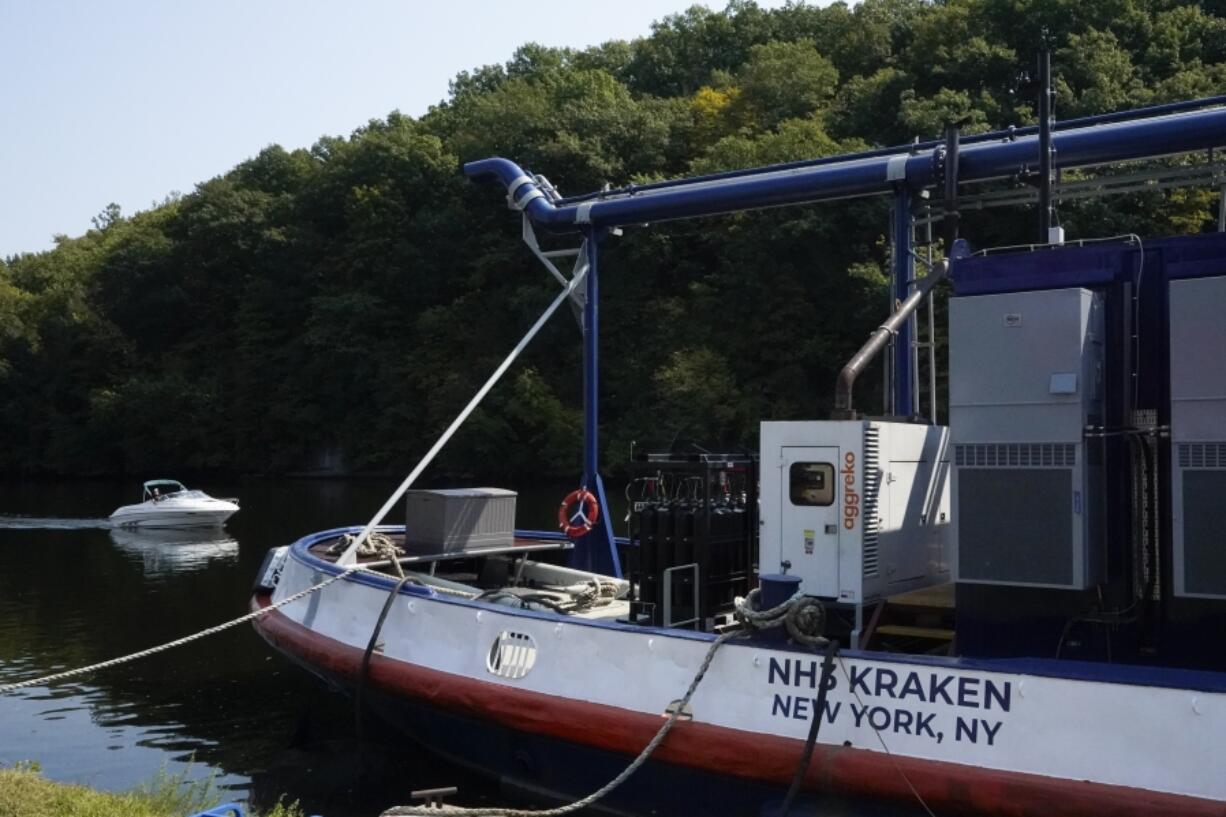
<point x="872" y="490"/>
<point x="1202" y="455"/>
<point x="1016" y="455"/>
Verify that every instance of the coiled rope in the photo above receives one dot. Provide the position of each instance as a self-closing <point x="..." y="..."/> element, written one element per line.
<point x="751" y="620"/>
<point x="179" y="642"/>
<point x="803" y="617"/>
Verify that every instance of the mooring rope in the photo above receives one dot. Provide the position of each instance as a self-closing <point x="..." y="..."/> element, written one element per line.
<point x="751" y="619"/>
<point x="179" y="642"/>
<point x="460" y="418"/>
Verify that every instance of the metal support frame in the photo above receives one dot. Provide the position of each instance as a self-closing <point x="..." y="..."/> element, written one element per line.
<point x="902" y="277"/>
<point x="578" y="296"/>
<point x="597" y="551"/>
<point x="1205" y="174"/>
<point x="666" y="579"/>
<point x="932" y="342"/>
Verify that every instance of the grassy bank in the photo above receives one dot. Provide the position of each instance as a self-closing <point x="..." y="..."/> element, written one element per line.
<point x="24" y="792"/>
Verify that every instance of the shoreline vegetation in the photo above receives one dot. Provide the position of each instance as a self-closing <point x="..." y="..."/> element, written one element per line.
<point x="330" y="309"/>
<point x="25" y="792"/>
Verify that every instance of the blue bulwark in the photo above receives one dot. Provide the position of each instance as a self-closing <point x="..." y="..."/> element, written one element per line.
<point x="1092" y="265"/>
<point x="1199" y="256"/>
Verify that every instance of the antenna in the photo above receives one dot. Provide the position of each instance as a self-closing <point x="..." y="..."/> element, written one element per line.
<point x="1046" y="152"/>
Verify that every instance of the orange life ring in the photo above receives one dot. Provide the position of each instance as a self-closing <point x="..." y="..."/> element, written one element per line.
<point x="579" y="523"/>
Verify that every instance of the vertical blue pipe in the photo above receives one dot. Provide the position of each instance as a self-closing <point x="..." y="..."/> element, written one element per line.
<point x="903" y="273"/>
<point x="591" y="362"/>
<point x="596" y="551"/>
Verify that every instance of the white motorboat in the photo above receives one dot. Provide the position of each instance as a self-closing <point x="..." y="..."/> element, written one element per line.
<point x="166" y="503"/>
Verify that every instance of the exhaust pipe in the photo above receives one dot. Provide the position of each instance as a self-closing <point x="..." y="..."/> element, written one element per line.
<point x="845" y="385"/>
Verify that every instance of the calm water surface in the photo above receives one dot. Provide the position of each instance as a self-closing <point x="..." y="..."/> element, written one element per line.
<point x="73" y="592"/>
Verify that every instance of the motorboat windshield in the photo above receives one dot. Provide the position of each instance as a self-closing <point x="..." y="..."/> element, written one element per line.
<point x="163" y="488"/>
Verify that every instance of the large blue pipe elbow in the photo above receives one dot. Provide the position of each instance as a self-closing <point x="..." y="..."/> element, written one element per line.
<point x="771" y="187"/>
<point x="503" y="170"/>
<point x="523" y="192"/>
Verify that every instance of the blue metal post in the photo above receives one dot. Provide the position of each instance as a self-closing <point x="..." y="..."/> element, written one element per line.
<point x="596" y="551"/>
<point x="903" y="273"/>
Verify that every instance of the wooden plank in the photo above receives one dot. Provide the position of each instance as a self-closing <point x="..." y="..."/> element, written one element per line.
<point x="940" y="597"/>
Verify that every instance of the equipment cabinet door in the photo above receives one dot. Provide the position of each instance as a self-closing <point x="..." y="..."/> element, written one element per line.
<point x="809" y="518"/>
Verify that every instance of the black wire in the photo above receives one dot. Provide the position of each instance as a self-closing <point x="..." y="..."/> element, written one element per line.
<point x="815" y="725"/>
<point x="524" y="599"/>
<point x="364" y="670"/>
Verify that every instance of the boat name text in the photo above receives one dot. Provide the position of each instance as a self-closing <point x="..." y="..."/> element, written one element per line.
<point x="901" y="701"/>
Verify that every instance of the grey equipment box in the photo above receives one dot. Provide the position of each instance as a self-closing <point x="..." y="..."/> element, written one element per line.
<point x="1025" y="374"/>
<point x="458" y="520"/>
<point x="1198" y="436"/>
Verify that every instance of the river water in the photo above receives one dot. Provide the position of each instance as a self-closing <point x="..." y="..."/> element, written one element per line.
<point x="73" y="592"/>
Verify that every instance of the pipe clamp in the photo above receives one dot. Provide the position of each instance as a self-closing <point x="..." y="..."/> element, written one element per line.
<point x="896" y="168"/>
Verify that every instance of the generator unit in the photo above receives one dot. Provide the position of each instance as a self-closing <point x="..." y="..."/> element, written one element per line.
<point x="1026" y="380"/>
<point x="1198" y="436"/>
<point x="858" y="509"/>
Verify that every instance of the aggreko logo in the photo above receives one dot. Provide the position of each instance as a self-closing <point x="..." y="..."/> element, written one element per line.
<point x="851" y="499"/>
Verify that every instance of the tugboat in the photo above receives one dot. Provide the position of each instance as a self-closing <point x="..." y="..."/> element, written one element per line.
<point x="1028" y="603"/>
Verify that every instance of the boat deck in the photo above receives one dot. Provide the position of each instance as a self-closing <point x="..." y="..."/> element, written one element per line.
<point x="506" y="574"/>
<point x="522" y="545"/>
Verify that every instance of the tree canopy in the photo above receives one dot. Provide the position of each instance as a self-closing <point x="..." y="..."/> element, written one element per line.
<point x="340" y="304"/>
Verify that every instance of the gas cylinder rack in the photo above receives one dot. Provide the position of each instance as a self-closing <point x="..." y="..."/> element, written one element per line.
<point x="693" y="536"/>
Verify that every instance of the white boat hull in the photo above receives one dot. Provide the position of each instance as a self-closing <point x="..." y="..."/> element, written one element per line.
<point x="972" y="736"/>
<point x="172" y="513"/>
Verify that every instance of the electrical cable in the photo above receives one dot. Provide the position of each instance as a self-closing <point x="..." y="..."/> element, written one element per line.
<point x="1136" y="317"/>
<point x="815" y="725"/>
<point x="364" y="670"/>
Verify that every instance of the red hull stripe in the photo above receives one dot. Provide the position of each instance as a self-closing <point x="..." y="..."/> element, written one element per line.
<point x="946" y="787"/>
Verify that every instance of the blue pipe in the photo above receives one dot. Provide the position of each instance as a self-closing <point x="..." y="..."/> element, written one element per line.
<point x="768" y="187"/>
<point x="999" y="135"/>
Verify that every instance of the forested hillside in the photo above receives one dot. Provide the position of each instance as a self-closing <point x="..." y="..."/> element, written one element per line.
<point x="340" y="304"/>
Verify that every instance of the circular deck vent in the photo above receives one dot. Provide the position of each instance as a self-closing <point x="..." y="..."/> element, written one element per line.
<point x="512" y="655"/>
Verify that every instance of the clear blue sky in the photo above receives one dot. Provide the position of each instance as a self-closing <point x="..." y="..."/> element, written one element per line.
<point x="127" y="101"/>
